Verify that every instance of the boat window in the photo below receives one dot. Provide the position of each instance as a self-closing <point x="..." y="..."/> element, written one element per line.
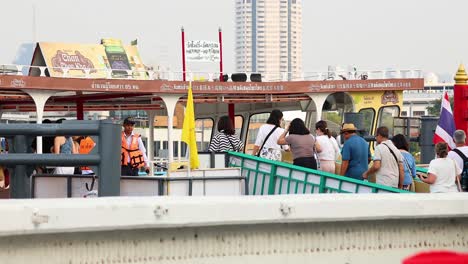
<point x="386" y="115"/>
<point x="203" y="131"/>
<point x="239" y="121"/>
<point x="368" y="117"/>
<point x="255" y="122"/>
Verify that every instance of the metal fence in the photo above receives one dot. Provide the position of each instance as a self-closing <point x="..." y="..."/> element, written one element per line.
<point x="267" y="177"/>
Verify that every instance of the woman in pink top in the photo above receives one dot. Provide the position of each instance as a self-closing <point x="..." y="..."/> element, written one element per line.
<point x="303" y="145"/>
<point x="329" y="146"/>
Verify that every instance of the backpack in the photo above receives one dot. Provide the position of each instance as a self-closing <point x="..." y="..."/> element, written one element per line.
<point x="464" y="174"/>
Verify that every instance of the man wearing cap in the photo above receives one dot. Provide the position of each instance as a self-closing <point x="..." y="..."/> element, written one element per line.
<point x="133" y="151"/>
<point x="388" y="162"/>
<point x="355" y="153"/>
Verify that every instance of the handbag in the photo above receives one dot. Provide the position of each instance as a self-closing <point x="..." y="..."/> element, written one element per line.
<point x="269" y="153"/>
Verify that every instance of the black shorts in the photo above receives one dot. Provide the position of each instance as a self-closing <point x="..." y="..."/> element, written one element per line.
<point x="308" y="162"/>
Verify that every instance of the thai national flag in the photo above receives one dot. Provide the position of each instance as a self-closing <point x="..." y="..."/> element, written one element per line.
<point x="446" y="126"/>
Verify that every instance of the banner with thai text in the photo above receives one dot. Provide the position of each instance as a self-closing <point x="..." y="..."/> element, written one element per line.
<point x="202" y="51"/>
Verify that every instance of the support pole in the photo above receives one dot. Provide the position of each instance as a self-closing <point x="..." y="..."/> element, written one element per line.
<point x="232" y="114"/>
<point x="79" y="109"/>
<point x="220" y="36"/>
<point x="170" y="101"/>
<point x="183" y="55"/>
<point x="109" y="171"/>
<point x="19" y="180"/>
<point x="150" y="145"/>
<point x="39" y="98"/>
<point x="319" y="100"/>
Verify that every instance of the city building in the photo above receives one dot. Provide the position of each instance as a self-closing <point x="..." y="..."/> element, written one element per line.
<point x="416" y="102"/>
<point x="269" y="38"/>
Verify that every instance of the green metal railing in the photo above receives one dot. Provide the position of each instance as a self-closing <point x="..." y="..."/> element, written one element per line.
<point x="422" y="170"/>
<point x="267" y="177"/>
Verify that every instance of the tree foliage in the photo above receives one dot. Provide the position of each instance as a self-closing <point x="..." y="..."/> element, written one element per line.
<point x="434" y="109"/>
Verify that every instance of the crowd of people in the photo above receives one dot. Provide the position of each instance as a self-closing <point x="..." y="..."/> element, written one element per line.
<point x="390" y="165"/>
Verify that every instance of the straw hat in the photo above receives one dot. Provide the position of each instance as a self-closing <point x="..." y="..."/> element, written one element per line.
<point x="348" y="127"/>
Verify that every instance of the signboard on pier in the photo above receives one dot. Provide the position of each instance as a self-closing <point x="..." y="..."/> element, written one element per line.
<point x="202" y="51"/>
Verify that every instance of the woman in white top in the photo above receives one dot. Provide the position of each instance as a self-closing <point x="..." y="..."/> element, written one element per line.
<point x="268" y="147"/>
<point x="443" y="173"/>
<point x="329" y="146"/>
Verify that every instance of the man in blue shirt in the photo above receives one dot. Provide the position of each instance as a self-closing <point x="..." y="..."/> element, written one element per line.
<point x="355" y="153"/>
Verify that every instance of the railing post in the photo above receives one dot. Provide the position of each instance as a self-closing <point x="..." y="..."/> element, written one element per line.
<point x="109" y="169"/>
<point x="272" y="182"/>
<point x="19" y="179"/>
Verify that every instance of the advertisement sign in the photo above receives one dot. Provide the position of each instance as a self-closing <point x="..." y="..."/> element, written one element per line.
<point x="116" y="57"/>
<point x="202" y="51"/>
<point x="96" y="59"/>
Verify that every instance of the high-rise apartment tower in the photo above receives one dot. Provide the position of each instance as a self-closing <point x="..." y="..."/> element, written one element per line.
<point x="269" y="37"/>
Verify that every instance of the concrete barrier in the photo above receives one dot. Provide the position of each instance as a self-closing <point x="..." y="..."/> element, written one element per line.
<point x="339" y="228"/>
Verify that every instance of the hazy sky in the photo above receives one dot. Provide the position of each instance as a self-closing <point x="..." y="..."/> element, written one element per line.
<point x="431" y="35"/>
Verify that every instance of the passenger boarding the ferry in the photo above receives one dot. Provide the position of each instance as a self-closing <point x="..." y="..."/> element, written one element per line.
<point x="388" y="162"/>
<point x="355" y="153"/>
<point x="330" y="150"/>
<point x="443" y="174"/>
<point x="303" y="144"/>
<point x="64" y="145"/>
<point x="266" y="144"/>
<point x="133" y="151"/>
<point x="409" y="163"/>
<point x="460" y="155"/>
<point x="225" y="139"/>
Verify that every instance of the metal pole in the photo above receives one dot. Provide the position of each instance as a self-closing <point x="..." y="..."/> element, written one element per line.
<point x="428" y="125"/>
<point x="109" y="169"/>
<point x="183" y="54"/>
<point x="408" y="129"/>
<point x="79" y="110"/>
<point x="232" y="114"/>
<point x="19" y="180"/>
<point x="220" y="36"/>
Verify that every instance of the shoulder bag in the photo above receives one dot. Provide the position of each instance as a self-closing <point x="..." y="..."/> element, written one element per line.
<point x="269" y="153"/>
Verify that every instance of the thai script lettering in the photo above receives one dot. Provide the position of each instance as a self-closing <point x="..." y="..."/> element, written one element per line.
<point x="114" y="86"/>
<point x="201" y="50"/>
<point x="359" y="85"/>
<point x="17" y="83"/>
<point x="221" y="88"/>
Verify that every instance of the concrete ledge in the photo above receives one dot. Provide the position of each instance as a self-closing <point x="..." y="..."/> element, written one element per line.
<point x="38" y="216"/>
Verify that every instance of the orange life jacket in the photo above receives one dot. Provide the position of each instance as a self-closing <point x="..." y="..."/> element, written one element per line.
<point x="86" y="145"/>
<point x="132" y="153"/>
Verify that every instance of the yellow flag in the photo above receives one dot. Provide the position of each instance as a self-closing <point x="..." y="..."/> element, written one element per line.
<point x="188" y="130"/>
